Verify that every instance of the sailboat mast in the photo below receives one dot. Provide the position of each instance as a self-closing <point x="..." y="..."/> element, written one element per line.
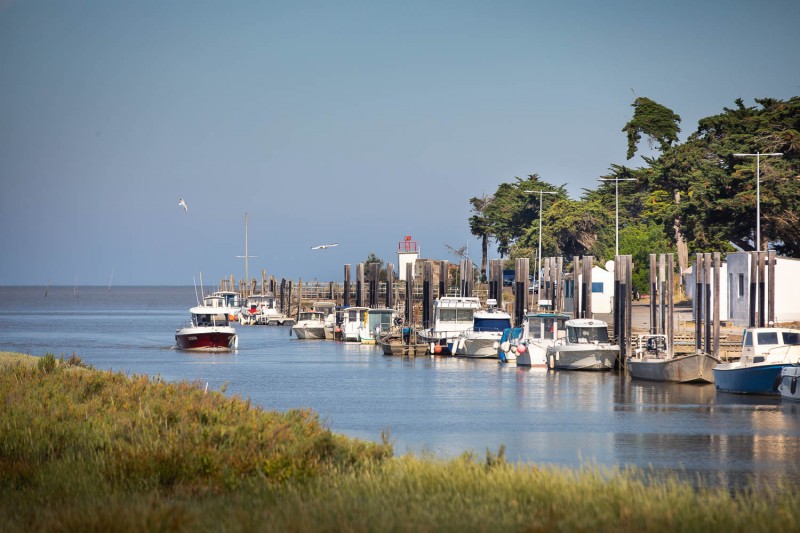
<point x="246" y="259"/>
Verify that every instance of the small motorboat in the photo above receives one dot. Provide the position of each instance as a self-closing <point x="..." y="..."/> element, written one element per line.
<point x="208" y="331"/>
<point x="310" y="325"/>
<point x="483" y="339"/>
<point x="765" y="353"/>
<point x="585" y="347"/>
<point x="539" y="330"/>
<point x="654" y="360"/>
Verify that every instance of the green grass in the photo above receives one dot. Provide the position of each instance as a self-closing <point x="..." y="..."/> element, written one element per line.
<point x="86" y="450"/>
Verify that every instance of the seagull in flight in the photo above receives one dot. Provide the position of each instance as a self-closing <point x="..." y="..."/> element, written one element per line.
<point x="182" y="203"/>
<point x="324" y="246"/>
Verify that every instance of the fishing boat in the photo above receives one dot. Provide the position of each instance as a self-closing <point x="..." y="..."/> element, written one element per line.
<point x="451" y="316"/>
<point x="310" y="325"/>
<point x="654" y="360"/>
<point x="539" y="331"/>
<point x="787" y="386"/>
<point x="483" y="338"/>
<point x="348" y="321"/>
<point x="377" y="323"/>
<point x="585" y="347"/>
<point x="765" y="353"/>
<point x="208" y="331"/>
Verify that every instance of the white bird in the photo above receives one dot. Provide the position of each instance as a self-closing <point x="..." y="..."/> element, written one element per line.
<point x="182" y="203"/>
<point x="323" y="246"/>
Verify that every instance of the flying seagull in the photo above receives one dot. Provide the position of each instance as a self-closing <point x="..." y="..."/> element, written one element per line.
<point x="323" y="246"/>
<point x="182" y="203"/>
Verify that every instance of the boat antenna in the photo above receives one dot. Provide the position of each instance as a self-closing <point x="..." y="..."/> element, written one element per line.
<point x="196" y="297"/>
<point x="201" y="285"/>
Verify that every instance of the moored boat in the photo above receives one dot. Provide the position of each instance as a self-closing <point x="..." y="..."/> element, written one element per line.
<point x="765" y="353"/>
<point x="310" y="325"/>
<point x="451" y="316"/>
<point x="539" y="330"/>
<point x="377" y="323"/>
<point x="207" y="331"/>
<point x="348" y="321"/>
<point x="585" y="347"/>
<point x="483" y="338"/>
<point x="653" y="360"/>
<point x="226" y="302"/>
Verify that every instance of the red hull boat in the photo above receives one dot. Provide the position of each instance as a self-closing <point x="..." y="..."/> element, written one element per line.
<point x="207" y="332"/>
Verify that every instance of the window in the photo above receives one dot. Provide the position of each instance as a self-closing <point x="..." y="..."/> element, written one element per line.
<point x="767" y="337"/>
<point x="597" y="286"/>
<point x="741" y="285"/>
<point x="748" y="338"/>
<point x="791" y="338"/>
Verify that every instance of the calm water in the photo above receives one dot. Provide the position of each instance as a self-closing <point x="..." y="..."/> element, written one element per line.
<point x="440" y="405"/>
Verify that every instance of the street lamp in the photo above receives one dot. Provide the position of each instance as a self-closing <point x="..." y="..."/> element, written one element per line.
<point x="616" y="203"/>
<point x="539" y="257"/>
<point x="758" y="157"/>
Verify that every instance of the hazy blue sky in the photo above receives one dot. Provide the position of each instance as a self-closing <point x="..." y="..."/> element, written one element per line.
<point x="355" y="122"/>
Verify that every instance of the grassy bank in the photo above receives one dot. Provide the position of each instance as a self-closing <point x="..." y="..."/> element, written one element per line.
<point x="87" y="450"/>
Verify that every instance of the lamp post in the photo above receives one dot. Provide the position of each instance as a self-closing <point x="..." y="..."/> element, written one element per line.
<point x="758" y="156"/>
<point x="616" y="204"/>
<point x="539" y="257"/>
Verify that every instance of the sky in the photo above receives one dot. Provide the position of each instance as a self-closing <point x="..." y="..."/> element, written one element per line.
<point x="350" y="122"/>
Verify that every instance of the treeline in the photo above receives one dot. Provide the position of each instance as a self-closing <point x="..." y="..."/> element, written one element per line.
<point x="694" y="196"/>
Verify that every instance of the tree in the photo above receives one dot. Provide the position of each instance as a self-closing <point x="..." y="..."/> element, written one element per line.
<point x="639" y="241"/>
<point x="480" y="227"/>
<point x="659" y="123"/>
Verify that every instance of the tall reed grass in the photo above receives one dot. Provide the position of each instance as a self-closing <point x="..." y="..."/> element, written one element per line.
<point x="85" y="450"/>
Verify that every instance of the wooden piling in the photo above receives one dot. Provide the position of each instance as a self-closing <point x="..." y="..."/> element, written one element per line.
<point x="653" y="296"/>
<point x="390" y="286"/>
<point x="427" y="294"/>
<point x="698" y="303"/>
<point x="762" y="322"/>
<point x="670" y="302"/>
<point x="717" y="261"/>
<point x="521" y="281"/>
<point x="346" y="295"/>
<point x="444" y="277"/>
<point x="772" y="262"/>
<point x="752" y="315"/>
<point x="360" y="285"/>
<point x="588" y="263"/>
<point x="409" y="315"/>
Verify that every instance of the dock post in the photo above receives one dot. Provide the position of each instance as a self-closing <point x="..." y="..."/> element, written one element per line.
<point x="762" y="322"/>
<point x="444" y="278"/>
<point x="628" y="307"/>
<point x="576" y="300"/>
<point x="427" y="294"/>
<point x="670" y="302"/>
<point x="698" y="303"/>
<point x="346" y="293"/>
<point x="617" y="311"/>
<point x="653" y="296"/>
<point x="558" y="304"/>
<point x="588" y="263"/>
<point x="772" y="262"/>
<point x="360" y="285"/>
<point x="752" y="315"/>
<point x="374" y="279"/>
<point x="389" y="286"/>
<point x="716" y="280"/>
<point x="409" y="294"/>
<point x="521" y="273"/>
<point x="708" y="302"/>
<point x="282" y="294"/>
<point x="662" y="286"/>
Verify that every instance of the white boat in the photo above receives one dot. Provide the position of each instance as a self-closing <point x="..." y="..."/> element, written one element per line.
<point x="327" y="308"/>
<point x="483" y="338"/>
<point x="208" y="331"/>
<point x="377" y="324"/>
<point x="451" y="316"/>
<point x="765" y="352"/>
<point x="261" y="309"/>
<point x="539" y="331"/>
<point x="310" y="325"/>
<point x="348" y="321"/>
<point x="653" y="360"/>
<point x="787" y="386"/>
<point x="224" y="302"/>
<point x="585" y="347"/>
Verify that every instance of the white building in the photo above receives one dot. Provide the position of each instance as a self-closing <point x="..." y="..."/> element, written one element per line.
<point x="735" y="289"/>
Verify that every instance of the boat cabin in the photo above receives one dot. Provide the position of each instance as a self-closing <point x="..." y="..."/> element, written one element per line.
<point x="545" y="326"/>
<point x="587" y="331"/>
<point x="379" y="320"/>
<point x="205" y="316"/>
<point x="761" y="345"/>
<point x="312" y="316"/>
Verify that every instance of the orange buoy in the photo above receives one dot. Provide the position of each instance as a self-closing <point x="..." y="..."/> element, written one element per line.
<point x="437" y="349"/>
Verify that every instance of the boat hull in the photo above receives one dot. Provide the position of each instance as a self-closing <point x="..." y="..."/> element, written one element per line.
<point x="534" y="356"/>
<point x="219" y="339"/>
<point x="581" y="358"/>
<point x="477" y="348"/>
<point x="309" y="332"/>
<point x="755" y="379"/>
<point x="690" y="368"/>
<point x="395" y="346"/>
<point x="788" y="387"/>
